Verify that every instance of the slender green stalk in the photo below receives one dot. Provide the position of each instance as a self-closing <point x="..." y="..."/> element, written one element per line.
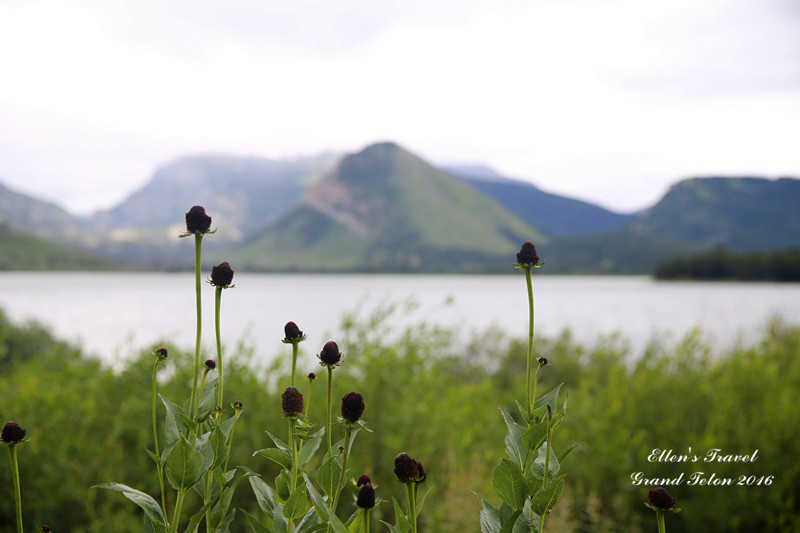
<point x="411" y="496"/>
<point x="196" y="414"/>
<point x="177" y="514"/>
<point x="662" y="528"/>
<point x="328" y="422"/>
<point x="12" y="455"/>
<point x="198" y="246"/>
<point x="348" y="432"/>
<point x="230" y="439"/>
<point x="529" y="395"/>
<point x="220" y="381"/>
<point x="294" y="361"/>
<point x="295" y="452"/>
<point x="366" y="520"/>
<point x="155" y="438"/>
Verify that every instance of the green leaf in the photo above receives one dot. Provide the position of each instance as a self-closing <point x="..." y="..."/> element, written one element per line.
<point x="538" y="463"/>
<point x="207" y="401"/>
<point x="510" y="484"/>
<point x="511" y="521"/>
<point x="220" y="512"/>
<point x="143" y="500"/>
<point x="489" y="516"/>
<point x="265" y="495"/>
<point x="535" y="436"/>
<point x="357" y="525"/>
<point x="403" y="524"/>
<point x="283" y="485"/>
<point x="276" y="455"/>
<point x="172" y="419"/>
<point x="310" y="446"/>
<point x="203" y="445"/>
<point x="279" y="443"/>
<point x="323" y="511"/>
<point x="551" y="399"/>
<point x="545" y="499"/>
<point x="563" y="455"/>
<point x="255" y="525"/>
<point x="219" y="445"/>
<point x="515" y="448"/>
<point x="279" y="522"/>
<point x="153" y="527"/>
<point x="184" y="465"/>
<point x="297" y="504"/>
<point x="194" y="521"/>
<point x="328" y="476"/>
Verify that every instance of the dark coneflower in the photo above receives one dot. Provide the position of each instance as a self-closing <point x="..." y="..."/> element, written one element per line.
<point x="292" y="402"/>
<point x="211" y="364"/>
<point x="222" y="275"/>
<point x="366" y="496"/>
<point x="12" y="433"/>
<point x="161" y="353"/>
<point x="362" y="479"/>
<point x="352" y="407"/>
<point x="660" y="499"/>
<point x="197" y="221"/>
<point x="292" y="333"/>
<point x="405" y="468"/>
<point x="330" y="354"/>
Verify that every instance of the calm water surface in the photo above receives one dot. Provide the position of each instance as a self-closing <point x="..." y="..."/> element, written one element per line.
<point x="112" y="314"/>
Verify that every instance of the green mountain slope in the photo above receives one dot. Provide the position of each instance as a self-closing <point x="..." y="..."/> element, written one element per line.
<point x="25" y="252"/>
<point x="741" y="213"/>
<point x="386" y="209"/>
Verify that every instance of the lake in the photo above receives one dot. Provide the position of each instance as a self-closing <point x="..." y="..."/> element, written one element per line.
<point x="111" y="313"/>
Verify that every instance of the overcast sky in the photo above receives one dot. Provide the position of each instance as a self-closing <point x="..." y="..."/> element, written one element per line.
<point x="609" y="101"/>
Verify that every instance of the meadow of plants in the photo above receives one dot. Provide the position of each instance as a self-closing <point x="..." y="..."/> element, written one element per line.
<point x="251" y="458"/>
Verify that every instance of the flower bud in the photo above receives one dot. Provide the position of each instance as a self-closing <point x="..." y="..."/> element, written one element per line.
<point x="161" y="353"/>
<point x="366" y="497"/>
<point x="44" y="528"/>
<point x="238" y="405"/>
<point x="660" y="499"/>
<point x="527" y="255"/>
<point x="421" y="476"/>
<point x="543" y="361"/>
<point x="330" y="354"/>
<point x="292" y="333"/>
<point x="292" y="402"/>
<point x="364" y="478"/>
<point x="211" y="364"/>
<point x="222" y="275"/>
<point x="12" y="433"/>
<point x="197" y="221"/>
<point x="405" y="468"/>
<point x="312" y="376"/>
<point x="352" y="407"/>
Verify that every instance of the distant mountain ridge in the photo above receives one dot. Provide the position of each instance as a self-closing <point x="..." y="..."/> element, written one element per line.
<point x="386" y="209"/>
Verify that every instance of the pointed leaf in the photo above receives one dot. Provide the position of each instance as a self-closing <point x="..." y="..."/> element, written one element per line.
<point x="563" y="455"/>
<point x="310" y="446"/>
<point x="184" y="465"/>
<point x="535" y="436"/>
<point x="153" y="527"/>
<point x="489" y="516"/>
<point x="515" y="448"/>
<point x="297" y="504"/>
<point x="265" y="495"/>
<point x="539" y="463"/>
<point x="276" y="455"/>
<point x="142" y="499"/>
<point x="279" y="522"/>
<point x="172" y="419"/>
<point x="509" y="484"/>
<point x="328" y="476"/>
<point x="551" y="399"/>
<point x="545" y="499"/>
<point x="323" y="511"/>
<point x="255" y="525"/>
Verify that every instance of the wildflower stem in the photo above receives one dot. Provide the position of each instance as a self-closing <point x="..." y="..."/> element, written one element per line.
<point x="529" y="395"/>
<point x="328" y="423"/>
<point x="342" y="474"/>
<point x="295" y="454"/>
<point x="412" y="505"/>
<point x="230" y="438"/>
<point x="294" y="361"/>
<point x="155" y="438"/>
<point x="660" y="521"/>
<point x="177" y="514"/>
<point x="366" y="520"/>
<point x="198" y="246"/>
<point x="220" y="381"/>
<point x="12" y="455"/>
<point x="196" y="416"/>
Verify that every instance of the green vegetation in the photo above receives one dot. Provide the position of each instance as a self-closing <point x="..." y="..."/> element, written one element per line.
<point x="721" y="263"/>
<point x="26" y="252"/>
<point x="437" y="401"/>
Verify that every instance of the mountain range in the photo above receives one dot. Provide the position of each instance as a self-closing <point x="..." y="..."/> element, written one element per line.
<point x="386" y="209"/>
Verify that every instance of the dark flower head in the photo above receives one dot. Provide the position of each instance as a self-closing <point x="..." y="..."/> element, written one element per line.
<point x="660" y="499"/>
<point x="292" y="333"/>
<point x="405" y="468"/>
<point x="161" y="353"/>
<point x="330" y="354"/>
<point x="217" y="408"/>
<point x="197" y="221"/>
<point x="527" y="255"/>
<point x="12" y="433"/>
<point x="366" y="497"/>
<point x="312" y="376"/>
<point x="543" y="361"/>
<point x="292" y="402"/>
<point x="44" y="528"/>
<point x="222" y="275"/>
<point x="211" y="364"/>
<point x="352" y="407"/>
<point x="364" y="478"/>
<point x="341" y="448"/>
<point x="238" y="405"/>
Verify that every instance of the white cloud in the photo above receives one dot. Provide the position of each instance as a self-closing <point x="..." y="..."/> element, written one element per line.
<point x="607" y="100"/>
